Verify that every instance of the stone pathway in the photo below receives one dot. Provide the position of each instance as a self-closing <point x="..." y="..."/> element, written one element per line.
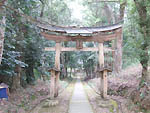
<point x="79" y="102"/>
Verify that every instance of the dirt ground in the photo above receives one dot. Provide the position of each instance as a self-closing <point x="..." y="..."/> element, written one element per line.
<point x="119" y="91"/>
<point x="63" y="102"/>
<point x="25" y="100"/>
<point x="113" y="104"/>
<point x="120" y="88"/>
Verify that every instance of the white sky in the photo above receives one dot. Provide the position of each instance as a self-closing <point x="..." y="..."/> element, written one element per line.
<point x="77" y="9"/>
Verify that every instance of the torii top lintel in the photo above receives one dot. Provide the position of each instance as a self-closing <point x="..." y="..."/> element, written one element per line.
<point x="86" y="34"/>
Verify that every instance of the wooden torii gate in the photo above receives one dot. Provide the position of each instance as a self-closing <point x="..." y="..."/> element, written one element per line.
<point x="79" y="35"/>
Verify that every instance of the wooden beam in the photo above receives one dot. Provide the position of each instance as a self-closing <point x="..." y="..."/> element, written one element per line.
<point x="97" y="38"/>
<point x="78" y="30"/>
<point x="75" y="49"/>
<point x="57" y="65"/>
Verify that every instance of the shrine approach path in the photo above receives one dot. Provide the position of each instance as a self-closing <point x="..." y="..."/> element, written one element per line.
<point x="79" y="102"/>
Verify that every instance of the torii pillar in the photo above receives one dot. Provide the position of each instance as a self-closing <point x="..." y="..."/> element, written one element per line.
<point x="57" y="65"/>
<point x="103" y="75"/>
<point x="55" y="73"/>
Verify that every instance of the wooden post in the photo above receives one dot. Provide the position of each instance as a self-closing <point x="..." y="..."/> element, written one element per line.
<point x="104" y="90"/>
<point x="101" y="54"/>
<point x="79" y="44"/>
<point x="52" y="84"/>
<point x="103" y="77"/>
<point x="57" y="65"/>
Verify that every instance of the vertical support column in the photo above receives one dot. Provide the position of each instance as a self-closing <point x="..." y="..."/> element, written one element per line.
<point x="57" y="65"/>
<point x="52" y="84"/>
<point x="101" y="55"/>
<point x="104" y="88"/>
<point x="79" y="44"/>
<point x="103" y="80"/>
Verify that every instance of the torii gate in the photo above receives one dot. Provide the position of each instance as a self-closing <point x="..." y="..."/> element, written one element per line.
<point x="79" y="35"/>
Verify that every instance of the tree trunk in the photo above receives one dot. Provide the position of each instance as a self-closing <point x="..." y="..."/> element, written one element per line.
<point x="144" y="29"/>
<point x="66" y="71"/>
<point x="91" y="72"/>
<point x="16" y="83"/>
<point x="70" y="71"/>
<point x="30" y="74"/>
<point x="118" y="54"/>
<point x="86" y="71"/>
<point x="118" y="44"/>
<point x="144" y="59"/>
<point x="2" y="28"/>
<point x="42" y="10"/>
<point x="62" y="60"/>
<point x="65" y="60"/>
<point x="65" y="65"/>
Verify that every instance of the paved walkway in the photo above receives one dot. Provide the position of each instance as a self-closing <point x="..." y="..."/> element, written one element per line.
<point x="79" y="102"/>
